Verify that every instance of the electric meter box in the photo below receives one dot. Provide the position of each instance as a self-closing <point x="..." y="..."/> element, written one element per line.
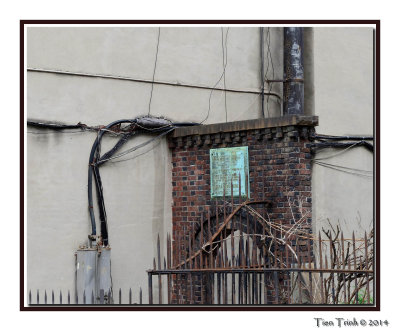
<point x="93" y="273"/>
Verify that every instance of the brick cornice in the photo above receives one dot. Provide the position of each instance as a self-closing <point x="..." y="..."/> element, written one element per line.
<point x="257" y="124"/>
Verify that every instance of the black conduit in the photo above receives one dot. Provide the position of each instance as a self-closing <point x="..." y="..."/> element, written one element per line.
<point x="143" y="125"/>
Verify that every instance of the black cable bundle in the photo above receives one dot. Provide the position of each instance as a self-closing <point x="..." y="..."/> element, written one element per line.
<point x="137" y="125"/>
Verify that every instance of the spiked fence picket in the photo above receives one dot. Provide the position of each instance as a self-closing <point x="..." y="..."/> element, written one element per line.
<point x="236" y="255"/>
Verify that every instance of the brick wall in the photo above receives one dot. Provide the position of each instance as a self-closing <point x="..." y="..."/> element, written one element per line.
<point x="279" y="170"/>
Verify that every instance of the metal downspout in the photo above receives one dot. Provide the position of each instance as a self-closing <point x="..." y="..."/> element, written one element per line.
<point x="293" y="92"/>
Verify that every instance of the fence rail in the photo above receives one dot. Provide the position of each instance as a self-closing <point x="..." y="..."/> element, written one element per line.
<point x="237" y="254"/>
<point x="104" y="298"/>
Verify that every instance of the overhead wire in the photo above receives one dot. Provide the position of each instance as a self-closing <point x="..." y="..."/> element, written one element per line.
<point x="347" y="145"/>
<point x="345" y="168"/>
<point x="224" y="62"/>
<point x="140" y="154"/>
<point x="352" y="171"/>
<point x="215" y="85"/>
<point x="130" y="150"/>
<point x="57" y="132"/>
<point x="154" y="70"/>
<point x="339" y="153"/>
<point x="262" y="69"/>
<point x="269" y="58"/>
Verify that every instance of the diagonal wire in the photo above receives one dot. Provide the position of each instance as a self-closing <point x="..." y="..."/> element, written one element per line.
<point x="212" y="90"/>
<point x="154" y="71"/>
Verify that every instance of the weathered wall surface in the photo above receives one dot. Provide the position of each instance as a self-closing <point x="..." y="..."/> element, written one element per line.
<point x="279" y="171"/>
<point x="343" y="83"/>
<point x="138" y="192"/>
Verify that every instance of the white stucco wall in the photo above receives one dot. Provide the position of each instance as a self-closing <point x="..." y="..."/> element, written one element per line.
<point x="137" y="192"/>
<point x="343" y="83"/>
<point x="338" y="69"/>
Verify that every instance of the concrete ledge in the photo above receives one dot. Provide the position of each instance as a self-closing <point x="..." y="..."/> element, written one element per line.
<point x="261" y="123"/>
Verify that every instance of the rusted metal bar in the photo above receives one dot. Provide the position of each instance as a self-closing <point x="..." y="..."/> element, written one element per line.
<point x="210" y="255"/>
<point x="233" y="250"/>
<point x="309" y="274"/>
<point x="242" y="284"/>
<point x="159" y="268"/>
<point x="101" y="298"/>
<point x="289" y="291"/>
<point x="327" y="280"/>
<point x="355" y="264"/>
<point x="201" y="241"/>
<point x="209" y="289"/>
<point x="225" y="250"/>
<point x="186" y="279"/>
<point x="254" y="276"/>
<point x="237" y="269"/>
<point x="219" y="279"/>
<point x="201" y="290"/>
<point x="178" y="276"/>
<point x="110" y="297"/>
<point x="275" y="275"/>
<point x="299" y="274"/>
<point x="323" y="296"/>
<point x="332" y="267"/>
<point x="191" y="266"/>
<point x="343" y="267"/>
<point x="223" y="276"/>
<point x="169" y="267"/>
<point x="245" y="282"/>
<point x="232" y="193"/>
<point x="366" y="264"/>
<point x="150" y="288"/>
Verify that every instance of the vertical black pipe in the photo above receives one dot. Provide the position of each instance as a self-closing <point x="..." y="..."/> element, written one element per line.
<point x="293" y="94"/>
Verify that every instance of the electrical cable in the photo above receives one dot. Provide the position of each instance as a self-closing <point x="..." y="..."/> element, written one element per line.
<point x="130" y="150"/>
<point x="262" y="70"/>
<point x="344" y="169"/>
<point x="326" y="144"/>
<point x="54" y="126"/>
<point x="117" y="146"/>
<point x="224" y="60"/>
<point x="136" y="156"/>
<point x="92" y="169"/>
<point x="269" y="57"/>
<point x="57" y="132"/>
<point x="95" y="159"/>
<point x="341" y="152"/>
<point x="213" y="88"/>
<point x="154" y="71"/>
<point x="130" y="79"/>
<point x="330" y="137"/>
